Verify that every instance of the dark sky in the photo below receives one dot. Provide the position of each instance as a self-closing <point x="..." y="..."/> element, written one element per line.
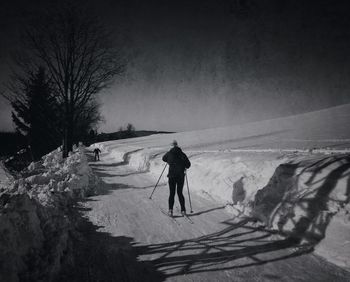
<point x="199" y="64"/>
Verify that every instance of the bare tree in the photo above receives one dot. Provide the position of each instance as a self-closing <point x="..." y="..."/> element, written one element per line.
<point x="80" y="56"/>
<point x="88" y="119"/>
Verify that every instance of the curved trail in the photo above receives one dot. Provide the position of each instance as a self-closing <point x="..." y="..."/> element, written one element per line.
<point x="129" y="239"/>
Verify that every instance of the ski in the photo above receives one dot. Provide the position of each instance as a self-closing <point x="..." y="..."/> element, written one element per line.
<point x="172" y="218"/>
<point x="165" y="213"/>
<point x="186" y="217"/>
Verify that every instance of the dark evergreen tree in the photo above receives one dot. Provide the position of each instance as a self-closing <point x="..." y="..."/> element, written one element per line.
<point x="35" y="113"/>
<point x="39" y="115"/>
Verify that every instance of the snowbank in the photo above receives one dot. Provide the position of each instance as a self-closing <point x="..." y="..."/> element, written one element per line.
<point x="33" y="239"/>
<point x="34" y="227"/>
<point x="308" y="198"/>
<point x="335" y="246"/>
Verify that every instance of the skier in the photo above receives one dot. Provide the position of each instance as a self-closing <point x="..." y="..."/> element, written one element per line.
<point x="178" y="163"/>
<point x="97" y="152"/>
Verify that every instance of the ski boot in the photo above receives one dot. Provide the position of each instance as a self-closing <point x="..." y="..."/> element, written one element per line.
<point x="170" y="213"/>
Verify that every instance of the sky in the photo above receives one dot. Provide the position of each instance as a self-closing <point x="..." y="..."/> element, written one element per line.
<point x="203" y="64"/>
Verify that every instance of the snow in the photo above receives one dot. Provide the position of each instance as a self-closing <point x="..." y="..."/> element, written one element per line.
<point x="217" y="247"/>
<point x="291" y="173"/>
<point x="335" y="245"/>
<point x="34" y="227"/>
<point x="5" y="177"/>
<point x="54" y="174"/>
<point x="326" y="130"/>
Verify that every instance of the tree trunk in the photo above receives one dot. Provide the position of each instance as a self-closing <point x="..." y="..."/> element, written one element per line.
<point x="68" y="136"/>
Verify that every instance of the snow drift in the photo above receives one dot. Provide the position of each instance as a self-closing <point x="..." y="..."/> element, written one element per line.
<point x="34" y="226"/>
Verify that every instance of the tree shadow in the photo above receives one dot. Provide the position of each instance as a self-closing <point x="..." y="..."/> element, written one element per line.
<point x="99" y="164"/>
<point x="205" y="211"/>
<point x="98" y="256"/>
<point x="99" y="169"/>
<point x="238" y="245"/>
<point x="108" y="188"/>
<point x="105" y="188"/>
<point x="297" y="197"/>
<point x="131" y="173"/>
<point x="314" y="222"/>
<point x="103" y="173"/>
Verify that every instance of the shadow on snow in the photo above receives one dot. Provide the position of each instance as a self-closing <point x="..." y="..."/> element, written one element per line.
<point x="238" y="245"/>
<point x="303" y="213"/>
<point x="98" y="256"/>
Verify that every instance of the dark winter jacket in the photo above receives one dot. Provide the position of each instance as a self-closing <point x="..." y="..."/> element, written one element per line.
<point x="177" y="161"/>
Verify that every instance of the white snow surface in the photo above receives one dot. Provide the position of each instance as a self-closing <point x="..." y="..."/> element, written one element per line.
<point x="291" y="173"/>
<point x="53" y="174"/>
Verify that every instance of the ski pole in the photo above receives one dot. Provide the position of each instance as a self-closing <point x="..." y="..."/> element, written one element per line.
<point x="188" y="190"/>
<point x="158" y="181"/>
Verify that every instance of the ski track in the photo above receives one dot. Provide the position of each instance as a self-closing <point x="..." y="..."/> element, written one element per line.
<point x="216" y="247"/>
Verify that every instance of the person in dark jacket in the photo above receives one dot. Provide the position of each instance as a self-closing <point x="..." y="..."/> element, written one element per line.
<point x="97" y="152"/>
<point x="178" y="163"/>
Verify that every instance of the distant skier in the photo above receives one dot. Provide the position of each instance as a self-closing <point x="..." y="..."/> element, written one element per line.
<point x="97" y="152"/>
<point x="178" y="163"/>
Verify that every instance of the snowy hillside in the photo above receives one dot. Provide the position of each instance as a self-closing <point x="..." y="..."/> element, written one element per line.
<point x="328" y="128"/>
<point x="291" y="173"/>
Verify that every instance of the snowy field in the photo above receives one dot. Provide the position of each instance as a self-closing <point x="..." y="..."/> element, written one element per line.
<point x="291" y="173"/>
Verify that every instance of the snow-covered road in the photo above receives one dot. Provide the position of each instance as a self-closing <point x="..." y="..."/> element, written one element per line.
<point x="130" y="237"/>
